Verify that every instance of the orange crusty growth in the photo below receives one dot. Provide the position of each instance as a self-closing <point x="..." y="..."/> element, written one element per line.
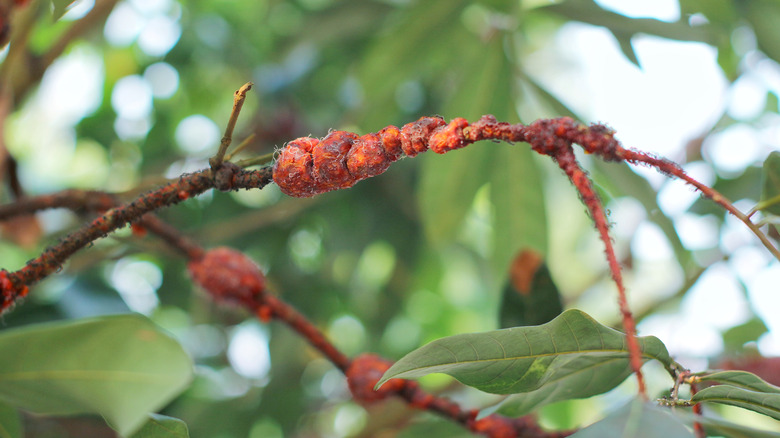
<point x="364" y="372"/>
<point x="9" y="291"/>
<point x="228" y="275"/>
<point x="309" y="166"/>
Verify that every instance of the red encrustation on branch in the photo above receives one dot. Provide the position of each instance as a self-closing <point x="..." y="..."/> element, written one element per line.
<point x="229" y="276"/>
<point x="309" y="166"/>
<point x="227" y="177"/>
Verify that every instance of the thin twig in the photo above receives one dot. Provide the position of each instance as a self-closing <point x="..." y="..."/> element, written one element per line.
<point x="272" y="306"/>
<point x="15" y="66"/>
<point x="72" y="199"/>
<point x="268" y="306"/>
<point x="238" y="102"/>
<point x="247" y="141"/>
<point x="99" y="13"/>
<point x="172" y="236"/>
<point x="36" y="66"/>
<point x="252" y="220"/>
<point x="256" y="161"/>
<point x="97" y="201"/>
<point x="51" y="260"/>
<point x="669" y="168"/>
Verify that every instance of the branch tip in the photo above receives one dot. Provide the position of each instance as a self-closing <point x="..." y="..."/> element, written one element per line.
<point x="238" y="102"/>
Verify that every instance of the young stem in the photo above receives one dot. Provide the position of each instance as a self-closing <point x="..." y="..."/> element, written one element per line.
<point x="269" y="305"/>
<point x="256" y="161"/>
<point x="762" y="205"/>
<point x="247" y="141"/>
<point x="72" y="199"/>
<point x="296" y="321"/>
<point x="238" y="102"/>
<point x="53" y="257"/>
<point x="51" y="260"/>
<point x="670" y="168"/>
<point x="172" y="236"/>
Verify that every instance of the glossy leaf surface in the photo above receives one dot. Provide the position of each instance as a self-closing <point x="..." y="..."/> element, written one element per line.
<point x="637" y="420"/>
<point x="450" y="182"/>
<point x="763" y="16"/>
<point x="770" y="182"/>
<point x="742" y="379"/>
<point x="573" y="354"/>
<point x="593" y="379"/>
<point x="736" y="337"/>
<point x="59" y="7"/>
<point x="719" y="427"/>
<point x="161" y="426"/>
<point x="763" y="403"/>
<point x="121" y="367"/>
<point x="647" y="420"/>
<point x="742" y="389"/>
<point x="530" y="296"/>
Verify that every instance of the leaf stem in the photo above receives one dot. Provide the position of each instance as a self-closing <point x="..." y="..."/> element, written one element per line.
<point x="256" y="161"/>
<point x="247" y="141"/>
<point x="763" y="204"/>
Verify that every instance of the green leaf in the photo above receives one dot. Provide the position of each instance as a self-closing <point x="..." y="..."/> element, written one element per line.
<point x="433" y="426"/>
<point x="770" y="184"/>
<point x="720" y="427"/>
<point x="530" y="295"/>
<point x="624" y="40"/>
<point x="742" y="379"/>
<point x="607" y="374"/>
<point x="558" y="108"/>
<point x="772" y="102"/>
<point x="59" y="7"/>
<point x="571" y="354"/>
<point x="729" y="60"/>
<point x="735" y="337"/>
<point x="121" y="367"/>
<point x="161" y="426"/>
<point x="716" y="11"/>
<point x="519" y="215"/>
<point x="447" y="188"/>
<point x="763" y="16"/>
<point x="761" y="402"/>
<point x="450" y="182"/>
<point x="637" y="420"/>
<point x="589" y="12"/>
<point x="10" y="423"/>
<point x="394" y="57"/>
<point x="646" y="420"/>
<point x="485" y="87"/>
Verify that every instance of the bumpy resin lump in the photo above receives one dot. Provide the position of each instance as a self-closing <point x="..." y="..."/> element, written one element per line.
<point x="310" y="166"/>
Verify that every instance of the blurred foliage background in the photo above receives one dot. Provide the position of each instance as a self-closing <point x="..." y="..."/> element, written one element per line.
<point x="418" y="253"/>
